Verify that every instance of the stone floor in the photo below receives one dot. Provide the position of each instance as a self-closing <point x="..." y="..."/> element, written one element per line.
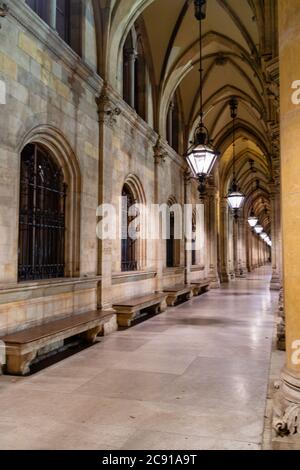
<point x="194" y="377"/>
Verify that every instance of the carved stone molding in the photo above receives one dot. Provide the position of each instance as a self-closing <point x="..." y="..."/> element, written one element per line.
<point x="107" y="109"/>
<point x="281" y="323"/>
<point x="160" y="154"/>
<point x="286" y="410"/>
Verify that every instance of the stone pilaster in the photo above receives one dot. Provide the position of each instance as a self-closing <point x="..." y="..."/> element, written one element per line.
<point x="159" y="158"/>
<point x="170" y="124"/>
<point x="188" y="252"/>
<point x="224" y="241"/>
<point x="276" y="235"/>
<point x="241" y="248"/>
<point x="130" y="58"/>
<point x="108" y="112"/>
<point x="211" y="224"/>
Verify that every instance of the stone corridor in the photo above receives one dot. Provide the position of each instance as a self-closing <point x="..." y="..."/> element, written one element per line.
<point x="194" y="377"/>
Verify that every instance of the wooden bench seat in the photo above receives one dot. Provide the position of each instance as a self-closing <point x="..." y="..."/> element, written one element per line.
<point x="200" y="287"/>
<point x="178" y="293"/>
<point x="23" y="346"/>
<point x="138" y="307"/>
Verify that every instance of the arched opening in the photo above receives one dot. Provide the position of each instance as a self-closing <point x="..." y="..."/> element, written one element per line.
<point x="194" y="251"/>
<point x="173" y="124"/>
<point x="173" y="240"/>
<point x="129" y="245"/>
<point x="64" y="16"/>
<point x="52" y="143"/>
<point x="43" y="193"/>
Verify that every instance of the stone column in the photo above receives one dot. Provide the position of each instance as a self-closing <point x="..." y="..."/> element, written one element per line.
<point x="108" y="112"/>
<point x="170" y="124"/>
<point x="224" y="240"/>
<point x="275" y="236"/>
<point x="187" y="253"/>
<point x="212" y="231"/>
<point x="159" y="158"/>
<point x="235" y="247"/>
<point x="287" y="402"/>
<point x="242" y="265"/>
<point x="130" y="57"/>
<point x="52" y="13"/>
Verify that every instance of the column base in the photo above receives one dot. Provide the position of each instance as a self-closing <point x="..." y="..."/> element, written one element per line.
<point x="224" y="277"/>
<point x="286" y="406"/>
<point x="275" y="283"/>
<point x="240" y="274"/>
<point x="214" y="280"/>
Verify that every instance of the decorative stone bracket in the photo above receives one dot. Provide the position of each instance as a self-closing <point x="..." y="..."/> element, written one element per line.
<point x="281" y="323"/>
<point x="3" y="10"/>
<point x="107" y="110"/>
<point x="160" y="154"/>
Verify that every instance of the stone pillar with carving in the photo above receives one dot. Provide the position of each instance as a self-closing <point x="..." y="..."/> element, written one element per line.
<point x="170" y="123"/>
<point x="224" y="240"/>
<point x="188" y="252"/>
<point x="212" y="234"/>
<point x="130" y="58"/>
<point x="108" y="112"/>
<point x="241" y="247"/>
<point x="159" y="155"/>
<point x="287" y="401"/>
<point x="276" y="235"/>
<point x="235" y="227"/>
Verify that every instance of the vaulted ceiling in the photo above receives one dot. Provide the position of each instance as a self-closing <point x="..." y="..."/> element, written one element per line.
<point x="239" y="36"/>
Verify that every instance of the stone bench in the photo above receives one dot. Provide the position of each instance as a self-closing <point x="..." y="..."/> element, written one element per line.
<point x="24" y="346"/>
<point x="136" y="308"/>
<point x="200" y="287"/>
<point x="178" y="293"/>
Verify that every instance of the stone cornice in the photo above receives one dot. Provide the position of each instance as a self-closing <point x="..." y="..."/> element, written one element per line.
<point x="34" y="289"/>
<point x="123" y="278"/>
<point x="51" y="40"/>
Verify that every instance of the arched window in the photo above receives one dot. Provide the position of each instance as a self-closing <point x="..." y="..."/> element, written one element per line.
<point x="194" y="252"/>
<point x="64" y="16"/>
<point x="129" y="248"/>
<point x="41" y="216"/>
<point x="135" y="74"/>
<point x="140" y="81"/>
<point x="171" y="243"/>
<point x="173" y="239"/>
<point x="173" y="124"/>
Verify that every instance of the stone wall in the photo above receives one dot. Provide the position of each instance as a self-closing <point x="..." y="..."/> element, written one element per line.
<point x="52" y="99"/>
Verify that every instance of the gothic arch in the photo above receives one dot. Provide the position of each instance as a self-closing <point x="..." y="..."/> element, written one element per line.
<point x="51" y="139"/>
<point x="135" y="186"/>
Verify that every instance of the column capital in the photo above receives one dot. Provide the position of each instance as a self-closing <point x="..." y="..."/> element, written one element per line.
<point x="107" y="109"/>
<point x="159" y="152"/>
<point x="171" y="105"/>
<point x="130" y="54"/>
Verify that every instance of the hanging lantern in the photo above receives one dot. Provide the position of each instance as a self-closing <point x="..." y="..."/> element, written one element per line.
<point x="258" y="229"/>
<point x="201" y="156"/>
<point x="235" y="197"/>
<point x="252" y="220"/>
<point x="263" y="235"/>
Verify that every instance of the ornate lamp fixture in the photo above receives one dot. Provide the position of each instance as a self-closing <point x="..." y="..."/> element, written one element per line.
<point x="258" y="229"/>
<point x="263" y="235"/>
<point x="252" y="219"/>
<point x="201" y="156"/>
<point x="235" y="197"/>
